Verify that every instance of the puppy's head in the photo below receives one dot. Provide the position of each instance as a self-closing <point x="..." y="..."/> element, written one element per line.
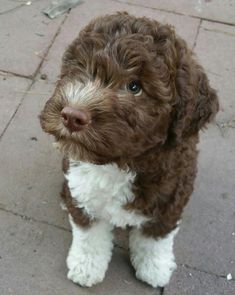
<point x="124" y="89"/>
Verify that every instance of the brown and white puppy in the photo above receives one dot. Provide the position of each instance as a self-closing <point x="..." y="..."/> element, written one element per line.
<point x="126" y="113"/>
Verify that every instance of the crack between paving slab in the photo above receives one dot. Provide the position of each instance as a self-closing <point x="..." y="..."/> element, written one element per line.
<point x="204" y="271"/>
<point x="12" y="9"/>
<point x="17" y="7"/>
<point x="176" y="12"/>
<point x="214" y="21"/>
<point x="219" y="31"/>
<point x="31" y="219"/>
<point x="27" y="218"/>
<point x="5" y="73"/>
<point x="50" y="45"/>
<point x="197" y="33"/>
<point x="33" y="77"/>
<point x="16" y="110"/>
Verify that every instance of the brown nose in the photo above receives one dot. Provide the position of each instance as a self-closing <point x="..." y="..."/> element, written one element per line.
<point x="74" y="119"/>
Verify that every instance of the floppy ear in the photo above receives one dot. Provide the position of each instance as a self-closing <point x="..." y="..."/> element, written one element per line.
<point x="196" y="103"/>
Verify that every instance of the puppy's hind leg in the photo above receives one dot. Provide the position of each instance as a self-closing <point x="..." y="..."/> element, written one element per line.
<point x="90" y="253"/>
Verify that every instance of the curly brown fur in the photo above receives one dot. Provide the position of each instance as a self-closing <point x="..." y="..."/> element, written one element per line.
<point x="77" y="213"/>
<point x="154" y="134"/>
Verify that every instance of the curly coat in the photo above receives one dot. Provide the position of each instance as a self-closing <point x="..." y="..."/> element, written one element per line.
<point x="155" y="134"/>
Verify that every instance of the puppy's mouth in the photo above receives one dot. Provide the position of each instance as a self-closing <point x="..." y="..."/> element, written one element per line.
<point x="81" y="149"/>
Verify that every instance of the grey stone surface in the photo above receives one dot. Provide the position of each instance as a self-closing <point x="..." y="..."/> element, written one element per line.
<point x="30" y="172"/>
<point x="25" y="35"/>
<point x="81" y="15"/>
<point x="217" y="10"/>
<point x="215" y="48"/>
<point x="12" y="91"/>
<point x="188" y="281"/>
<point x="32" y="261"/>
<point x="121" y="238"/>
<point x="207" y="239"/>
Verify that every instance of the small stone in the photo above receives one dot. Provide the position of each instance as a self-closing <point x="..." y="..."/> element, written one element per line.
<point x="34" y="138"/>
<point x="229" y="277"/>
<point x="40" y="35"/>
<point x="28" y="3"/>
<point x="224" y="196"/>
<point x="127" y="282"/>
<point x="43" y="76"/>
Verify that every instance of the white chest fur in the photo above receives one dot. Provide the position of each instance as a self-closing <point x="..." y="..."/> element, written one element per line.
<point x="102" y="191"/>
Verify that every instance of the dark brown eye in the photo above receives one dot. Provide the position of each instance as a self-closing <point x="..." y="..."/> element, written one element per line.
<point x="134" y="87"/>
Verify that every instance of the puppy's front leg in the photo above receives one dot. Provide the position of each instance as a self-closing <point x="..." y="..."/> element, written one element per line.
<point x="89" y="253"/>
<point x="153" y="259"/>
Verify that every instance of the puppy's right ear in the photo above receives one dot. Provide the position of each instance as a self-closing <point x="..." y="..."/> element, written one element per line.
<point x="196" y="103"/>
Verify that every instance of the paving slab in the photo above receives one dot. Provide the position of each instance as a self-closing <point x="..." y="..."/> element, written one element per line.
<point x="82" y="14"/>
<point x="207" y="239"/>
<point x="32" y="261"/>
<point x="207" y="236"/>
<point x="30" y="168"/>
<point x="25" y="36"/>
<point x="215" y="49"/>
<point x="187" y="281"/>
<point x="12" y="91"/>
<point x="33" y="258"/>
<point x="216" y="10"/>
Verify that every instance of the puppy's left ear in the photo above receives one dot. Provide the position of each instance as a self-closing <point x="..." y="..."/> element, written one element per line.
<point x="196" y="103"/>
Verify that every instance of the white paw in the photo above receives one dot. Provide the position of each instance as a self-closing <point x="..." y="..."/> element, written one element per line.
<point x="153" y="259"/>
<point x="155" y="273"/>
<point x="86" y="271"/>
<point x="90" y="253"/>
